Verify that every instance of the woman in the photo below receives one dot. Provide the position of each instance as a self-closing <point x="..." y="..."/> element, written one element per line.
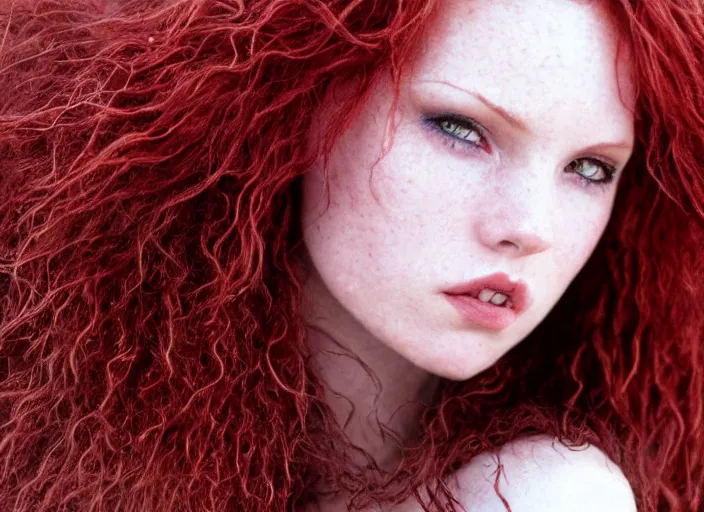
<point x="280" y="255"/>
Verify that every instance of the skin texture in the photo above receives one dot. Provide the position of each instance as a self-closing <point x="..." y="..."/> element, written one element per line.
<point x="539" y="474"/>
<point x="435" y="211"/>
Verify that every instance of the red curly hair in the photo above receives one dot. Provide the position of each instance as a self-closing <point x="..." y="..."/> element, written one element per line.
<point x="152" y="352"/>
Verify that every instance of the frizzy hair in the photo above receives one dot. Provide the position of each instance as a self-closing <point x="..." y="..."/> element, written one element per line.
<point x="152" y="354"/>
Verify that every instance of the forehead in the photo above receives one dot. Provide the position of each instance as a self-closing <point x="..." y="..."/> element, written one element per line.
<point x="532" y="56"/>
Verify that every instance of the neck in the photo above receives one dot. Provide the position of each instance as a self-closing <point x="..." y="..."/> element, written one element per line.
<point x="377" y="396"/>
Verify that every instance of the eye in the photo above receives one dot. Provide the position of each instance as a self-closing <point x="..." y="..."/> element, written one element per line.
<point x="593" y="171"/>
<point x="459" y="131"/>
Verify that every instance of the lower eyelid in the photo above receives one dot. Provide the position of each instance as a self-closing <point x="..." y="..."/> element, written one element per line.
<point x="456" y="144"/>
<point x="594" y="186"/>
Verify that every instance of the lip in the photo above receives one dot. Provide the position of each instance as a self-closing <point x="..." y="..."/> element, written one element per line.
<point x="484" y="314"/>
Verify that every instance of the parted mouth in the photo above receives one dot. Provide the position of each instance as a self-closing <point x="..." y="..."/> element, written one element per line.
<point x="497" y="289"/>
<point x="495" y="297"/>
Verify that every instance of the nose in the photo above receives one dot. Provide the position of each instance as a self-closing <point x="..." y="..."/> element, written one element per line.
<point x="518" y="221"/>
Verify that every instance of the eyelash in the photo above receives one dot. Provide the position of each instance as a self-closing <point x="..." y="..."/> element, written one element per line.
<point x="464" y="123"/>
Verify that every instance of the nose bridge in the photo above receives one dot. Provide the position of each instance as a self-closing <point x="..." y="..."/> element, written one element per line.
<point x="519" y="217"/>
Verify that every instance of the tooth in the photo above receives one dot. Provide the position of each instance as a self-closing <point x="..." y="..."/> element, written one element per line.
<point x="485" y="295"/>
<point x="499" y="299"/>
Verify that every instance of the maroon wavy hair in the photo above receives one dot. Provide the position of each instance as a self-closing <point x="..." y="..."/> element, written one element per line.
<point x="152" y="354"/>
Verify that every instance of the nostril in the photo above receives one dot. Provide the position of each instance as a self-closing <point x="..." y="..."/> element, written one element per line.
<point x="507" y="244"/>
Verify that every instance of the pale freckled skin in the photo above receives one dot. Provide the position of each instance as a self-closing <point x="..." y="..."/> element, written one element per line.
<point x="428" y="216"/>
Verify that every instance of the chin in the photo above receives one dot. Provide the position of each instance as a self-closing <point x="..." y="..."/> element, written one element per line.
<point x="460" y="374"/>
<point x="456" y="367"/>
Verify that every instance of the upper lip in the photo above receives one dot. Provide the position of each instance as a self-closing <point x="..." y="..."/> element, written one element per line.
<point x="516" y="290"/>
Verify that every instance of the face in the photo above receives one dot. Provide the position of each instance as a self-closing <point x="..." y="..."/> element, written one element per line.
<point x="512" y="130"/>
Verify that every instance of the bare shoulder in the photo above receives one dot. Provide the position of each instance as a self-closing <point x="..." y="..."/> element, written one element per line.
<point x="541" y="474"/>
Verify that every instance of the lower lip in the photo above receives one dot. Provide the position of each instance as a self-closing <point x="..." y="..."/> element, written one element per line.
<point x="482" y="314"/>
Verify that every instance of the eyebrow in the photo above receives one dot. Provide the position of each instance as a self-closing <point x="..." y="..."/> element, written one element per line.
<point x="626" y="146"/>
<point x="516" y="122"/>
<point x="510" y="118"/>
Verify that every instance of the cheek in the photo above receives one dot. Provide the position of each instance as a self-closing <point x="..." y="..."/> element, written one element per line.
<point x="370" y="236"/>
<point x="369" y="201"/>
<point x="581" y="235"/>
<point x="341" y="226"/>
<point x="349" y="221"/>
